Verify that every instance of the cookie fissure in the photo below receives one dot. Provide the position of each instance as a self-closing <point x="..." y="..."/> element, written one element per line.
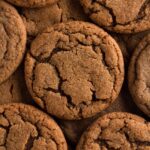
<point x="110" y="10"/>
<point x="119" y="15"/>
<point x="141" y="14"/>
<point x="56" y="91"/>
<point x="29" y="144"/>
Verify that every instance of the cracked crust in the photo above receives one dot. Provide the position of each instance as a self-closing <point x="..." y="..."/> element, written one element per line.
<point x="117" y="131"/>
<point x="25" y="127"/>
<point x="138" y="75"/>
<point x="14" y="89"/>
<point x="32" y="3"/>
<point x="37" y="19"/>
<point x="74" y="70"/>
<point x="121" y="16"/>
<point x="12" y="40"/>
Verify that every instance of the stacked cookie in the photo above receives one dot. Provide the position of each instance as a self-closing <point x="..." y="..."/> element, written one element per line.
<point x="72" y="60"/>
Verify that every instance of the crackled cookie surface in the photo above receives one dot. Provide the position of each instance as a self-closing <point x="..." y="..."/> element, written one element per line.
<point x="74" y="70"/>
<point x="138" y="75"/>
<point x="12" y="40"/>
<point x="25" y="127"/>
<point x="37" y="19"/>
<point x="32" y="3"/>
<point x="117" y="131"/>
<point x="125" y="16"/>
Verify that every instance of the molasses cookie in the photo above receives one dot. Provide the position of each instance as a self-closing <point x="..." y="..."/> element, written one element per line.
<point x="12" y="40"/>
<point x="25" y="127"/>
<point x="37" y="19"/>
<point x="121" y="131"/>
<point x="138" y="75"/>
<point x="32" y="3"/>
<point x="119" y="15"/>
<point x="74" y="70"/>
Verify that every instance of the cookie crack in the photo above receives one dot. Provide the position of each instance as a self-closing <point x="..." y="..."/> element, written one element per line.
<point x="30" y="142"/>
<point x="69" y="98"/>
<point x="110" y="10"/>
<point x="114" y="23"/>
<point x="145" y="4"/>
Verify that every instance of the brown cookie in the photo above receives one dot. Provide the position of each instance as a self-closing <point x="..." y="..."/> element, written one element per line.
<point x="32" y="3"/>
<point x="121" y="131"/>
<point x="37" y="19"/>
<point x="123" y="16"/>
<point x="12" y="40"/>
<point x="74" y="70"/>
<point x="14" y="89"/>
<point x="25" y="127"/>
<point x="138" y="75"/>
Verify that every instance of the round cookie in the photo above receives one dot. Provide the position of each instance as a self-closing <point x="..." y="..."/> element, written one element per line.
<point x="117" y="131"/>
<point x="119" y="15"/>
<point x="74" y="70"/>
<point x="37" y="19"/>
<point x="25" y="127"/>
<point x="138" y="75"/>
<point x="12" y="40"/>
<point x="32" y="3"/>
